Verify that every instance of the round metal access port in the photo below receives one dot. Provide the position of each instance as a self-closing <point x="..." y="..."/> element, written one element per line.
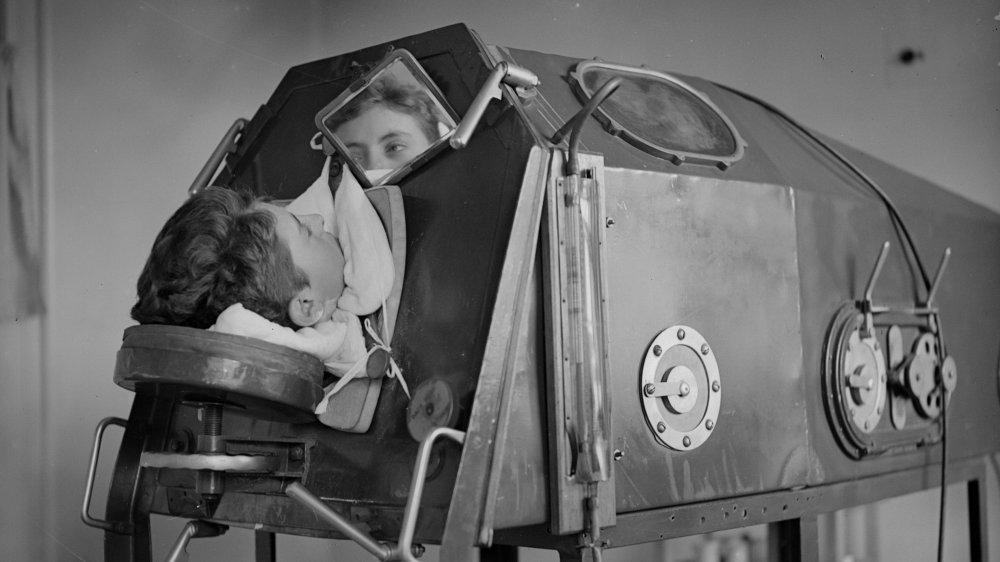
<point x="680" y="388"/>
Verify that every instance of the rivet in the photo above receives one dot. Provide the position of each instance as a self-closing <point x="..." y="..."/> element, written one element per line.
<point x="661" y="427"/>
<point x="657" y="350"/>
<point x="709" y="424"/>
<point x="704" y="349"/>
<point x="648" y="389"/>
<point x="716" y="386"/>
<point x="680" y="333"/>
<point x="687" y="441"/>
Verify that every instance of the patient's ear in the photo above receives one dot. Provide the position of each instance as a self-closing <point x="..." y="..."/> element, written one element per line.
<point x="305" y="309"/>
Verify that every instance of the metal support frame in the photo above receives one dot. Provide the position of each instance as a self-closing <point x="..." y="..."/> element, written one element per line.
<point x="790" y="514"/>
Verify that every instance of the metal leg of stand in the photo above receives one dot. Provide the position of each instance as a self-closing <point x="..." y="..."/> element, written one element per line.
<point x="498" y="553"/>
<point x="265" y="547"/>
<point x="582" y="555"/>
<point x="794" y="540"/>
<point x="978" y="528"/>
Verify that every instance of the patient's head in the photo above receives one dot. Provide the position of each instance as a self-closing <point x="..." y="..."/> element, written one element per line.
<point x="223" y="247"/>
<point x="387" y="124"/>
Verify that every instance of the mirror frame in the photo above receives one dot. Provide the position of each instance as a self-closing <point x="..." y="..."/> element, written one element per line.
<point x="357" y="87"/>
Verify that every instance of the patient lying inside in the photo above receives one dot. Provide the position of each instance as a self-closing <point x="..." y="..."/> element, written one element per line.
<point x="298" y="276"/>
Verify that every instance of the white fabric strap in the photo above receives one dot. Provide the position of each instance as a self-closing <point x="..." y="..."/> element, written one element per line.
<point x="358" y="367"/>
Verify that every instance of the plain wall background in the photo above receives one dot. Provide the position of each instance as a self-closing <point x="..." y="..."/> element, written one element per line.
<point x="141" y="92"/>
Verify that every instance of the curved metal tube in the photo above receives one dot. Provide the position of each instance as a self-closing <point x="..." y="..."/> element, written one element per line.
<point x="91" y="475"/>
<point x="193" y="530"/>
<point x="404" y="550"/>
<point x="609" y="87"/>
<point x="226" y="146"/>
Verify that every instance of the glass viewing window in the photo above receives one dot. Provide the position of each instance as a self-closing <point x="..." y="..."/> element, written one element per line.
<point x="661" y="115"/>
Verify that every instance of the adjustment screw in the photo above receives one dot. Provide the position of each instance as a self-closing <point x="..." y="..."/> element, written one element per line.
<point x="661" y="427"/>
<point x="709" y="424"/>
<point x="618" y="454"/>
<point x="704" y="349"/>
<point x="657" y="350"/>
<point x="716" y="386"/>
<point x="685" y="389"/>
<point x="687" y="441"/>
<point x="680" y="333"/>
<point x="296" y="454"/>
<point x="648" y="389"/>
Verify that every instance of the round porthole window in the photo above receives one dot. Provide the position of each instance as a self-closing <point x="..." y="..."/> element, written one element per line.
<point x="660" y="115"/>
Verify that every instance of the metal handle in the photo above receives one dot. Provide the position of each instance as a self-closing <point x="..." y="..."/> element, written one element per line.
<point x="937" y="277"/>
<point x="404" y="550"/>
<point x="113" y="526"/>
<point x="505" y="72"/>
<point x="226" y="146"/>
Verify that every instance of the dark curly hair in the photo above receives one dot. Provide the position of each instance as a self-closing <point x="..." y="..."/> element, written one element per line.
<point x="214" y="251"/>
<point x="397" y="96"/>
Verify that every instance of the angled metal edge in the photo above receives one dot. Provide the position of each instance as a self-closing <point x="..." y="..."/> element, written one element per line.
<point x="469" y="499"/>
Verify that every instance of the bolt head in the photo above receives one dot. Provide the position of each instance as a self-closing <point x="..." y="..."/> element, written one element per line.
<point x="704" y="349"/>
<point x="657" y="350"/>
<point x="709" y="424"/>
<point x="661" y="427"/>
<point x="716" y="386"/>
<point x="687" y="441"/>
<point x="648" y="389"/>
<point x="610" y="222"/>
<point x="680" y="333"/>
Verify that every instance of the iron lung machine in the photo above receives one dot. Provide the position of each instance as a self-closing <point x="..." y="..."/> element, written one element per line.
<point x="635" y="306"/>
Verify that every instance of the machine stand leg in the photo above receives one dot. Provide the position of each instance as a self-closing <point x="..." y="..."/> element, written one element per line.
<point x="794" y="540"/>
<point x="265" y="547"/>
<point x="978" y="528"/>
<point x="498" y="553"/>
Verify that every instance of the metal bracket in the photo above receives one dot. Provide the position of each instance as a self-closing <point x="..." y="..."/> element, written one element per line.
<point x="503" y="72"/>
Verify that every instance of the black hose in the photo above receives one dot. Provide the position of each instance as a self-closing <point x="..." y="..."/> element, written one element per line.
<point x="573" y="164"/>
<point x="894" y="215"/>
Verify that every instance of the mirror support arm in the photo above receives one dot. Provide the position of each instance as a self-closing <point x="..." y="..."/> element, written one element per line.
<point x="504" y="72"/>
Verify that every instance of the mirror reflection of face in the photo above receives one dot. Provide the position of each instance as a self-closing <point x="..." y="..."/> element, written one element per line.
<point x="381" y="138"/>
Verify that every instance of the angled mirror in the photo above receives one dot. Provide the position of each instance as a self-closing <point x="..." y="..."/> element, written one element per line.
<point x="389" y="122"/>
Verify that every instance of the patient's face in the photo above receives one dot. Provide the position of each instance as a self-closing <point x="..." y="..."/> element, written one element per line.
<point x="315" y="251"/>
<point x="383" y="139"/>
